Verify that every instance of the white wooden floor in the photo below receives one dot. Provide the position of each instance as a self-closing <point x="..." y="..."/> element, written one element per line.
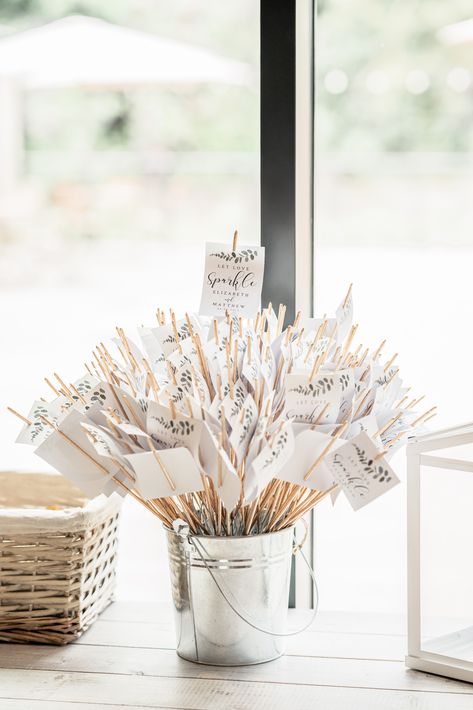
<point x="127" y="660"/>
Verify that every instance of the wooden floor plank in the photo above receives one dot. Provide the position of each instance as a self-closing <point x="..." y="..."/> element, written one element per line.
<point x="149" y="612"/>
<point x="29" y="704"/>
<point x="327" y="621"/>
<point x="196" y="694"/>
<point x="317" y="643"/>
<point x="288" y="669"/>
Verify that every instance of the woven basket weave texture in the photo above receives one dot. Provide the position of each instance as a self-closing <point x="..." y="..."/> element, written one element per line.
<point x="57" y="567"/>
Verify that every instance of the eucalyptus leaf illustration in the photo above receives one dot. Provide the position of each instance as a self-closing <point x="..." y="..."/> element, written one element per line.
<point x="238" y="257"/>
<point x="315" y="389"/>
<point x="178" y="427"/>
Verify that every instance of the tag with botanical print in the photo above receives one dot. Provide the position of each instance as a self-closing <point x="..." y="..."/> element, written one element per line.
<point x="233" y="280"/>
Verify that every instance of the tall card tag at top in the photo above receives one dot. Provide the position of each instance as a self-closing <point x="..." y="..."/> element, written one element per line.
<point x="233" y="280"/>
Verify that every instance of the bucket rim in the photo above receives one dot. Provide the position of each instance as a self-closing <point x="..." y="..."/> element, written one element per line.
<point x="232" y="537"/>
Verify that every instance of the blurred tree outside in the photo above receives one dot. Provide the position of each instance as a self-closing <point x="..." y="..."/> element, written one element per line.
<point x="394" y="128"/>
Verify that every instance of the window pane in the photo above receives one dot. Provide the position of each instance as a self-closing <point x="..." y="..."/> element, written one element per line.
<point x="129" y="135"/>
<point x="394" y="211"/>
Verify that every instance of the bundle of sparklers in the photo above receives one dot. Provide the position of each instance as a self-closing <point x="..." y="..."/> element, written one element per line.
<point x="236" y="426"/>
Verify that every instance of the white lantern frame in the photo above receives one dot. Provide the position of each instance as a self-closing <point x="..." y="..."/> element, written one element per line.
<point x="418" y="455"/>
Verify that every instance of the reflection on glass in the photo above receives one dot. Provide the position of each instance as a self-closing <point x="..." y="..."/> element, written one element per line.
<point x="129" y="134"/>
<point x="394" y="145"/>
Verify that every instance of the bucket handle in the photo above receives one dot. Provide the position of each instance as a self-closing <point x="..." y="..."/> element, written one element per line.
<point x="226" y="593"/>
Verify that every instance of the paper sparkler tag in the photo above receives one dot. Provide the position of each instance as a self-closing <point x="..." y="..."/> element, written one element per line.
<point x="243" y="427"/>
<point x="36" y="432"/>
<point x="270" y="461"/>
<point x="306" y="400"/>
<point x="362" y="476"/>
<point x="368" y="424"/>
<point x="344" y="314"/>
<point x="230" y="488"/>
<point x="308" y="446"/>
<point x="104" y="444"/>
<point x="166" y="338"/>
<point x="73" y="463"/>
<point x="167" y="431"/>
<point x="181" y="469"/>
<point x="154" y="351"/>
<point x="233" y="280"/>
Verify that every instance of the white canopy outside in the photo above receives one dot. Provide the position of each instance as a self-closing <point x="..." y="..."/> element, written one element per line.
<point x="458" y="33"/>
<point x="85" y="51"/>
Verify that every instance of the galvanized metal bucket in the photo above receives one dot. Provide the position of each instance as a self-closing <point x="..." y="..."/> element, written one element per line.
<point x="230" y="596"/>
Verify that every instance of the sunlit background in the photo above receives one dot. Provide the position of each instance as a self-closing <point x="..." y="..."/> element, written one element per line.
<point x="129" y="135"/>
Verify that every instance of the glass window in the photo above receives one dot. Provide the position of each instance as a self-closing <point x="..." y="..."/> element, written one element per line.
<point x="394" y="141"/>
<point x="129" y="135"/>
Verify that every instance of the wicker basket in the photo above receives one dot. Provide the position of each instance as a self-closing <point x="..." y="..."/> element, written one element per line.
<point x="57" y="566"/>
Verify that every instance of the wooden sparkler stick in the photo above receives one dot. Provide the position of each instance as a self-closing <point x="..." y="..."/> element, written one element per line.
<point x="235" y="240"/>
<point x="97" y="373"/>
<point x="152" y="378"/>
<point x="362" y="359"/>
<point x="64" y="386"/>
<point x="25" y="420"/>
<point x="216" y="334"/>
<point x="77" y="393"/>
<point x="281" y="316"/>
<point x="248" y="349"/>
<point x="203" y="364"/>
<point x="415" y="402"/>
<point x="347" y="296"/>
<point x="175" y="331"/>
<point x="362" y="402"/>
<point x="426" y="415"/>
<point x="348" y="341"/>
<point x="378" y="351"/>
<point x="297" y="320"/>
<point x="235" y="360"/>
<point x="279" y="371"/>
<point x="388" y="424"/>
<point x="171" y="373"/>
<point x="106" y="355"/>
<point x="129" y="355"/>
<point x="320" y="415"/>
<point x="160" y="462"/>
<point x="315" y="367"/>
<point x="402" y="400"/>
<point x="306" y="505"/>
<point x="325" y="451"/>
<point x="171" y="405"/>
<point x="130" y="384"/>
<point x="319" y="333"/>
<point x="390" y="362"/>
<point x="54" y="389"/>
<point x="391" y="378"/>
<point x="79" y="448"/>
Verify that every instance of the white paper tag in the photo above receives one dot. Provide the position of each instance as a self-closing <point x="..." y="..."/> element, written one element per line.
<point x="270" y="461"/>
<point x="243" y="427"/>
<point x="179" y="465"/>
<point x="306" y="400"/>
<point x="308" y="446"/>
<point x="344" y="314"/>
<point x="73" y="463"/>
<point x="363" y="477"/>
<point x="232" y="280"/>
<point x="167" y="431"/>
